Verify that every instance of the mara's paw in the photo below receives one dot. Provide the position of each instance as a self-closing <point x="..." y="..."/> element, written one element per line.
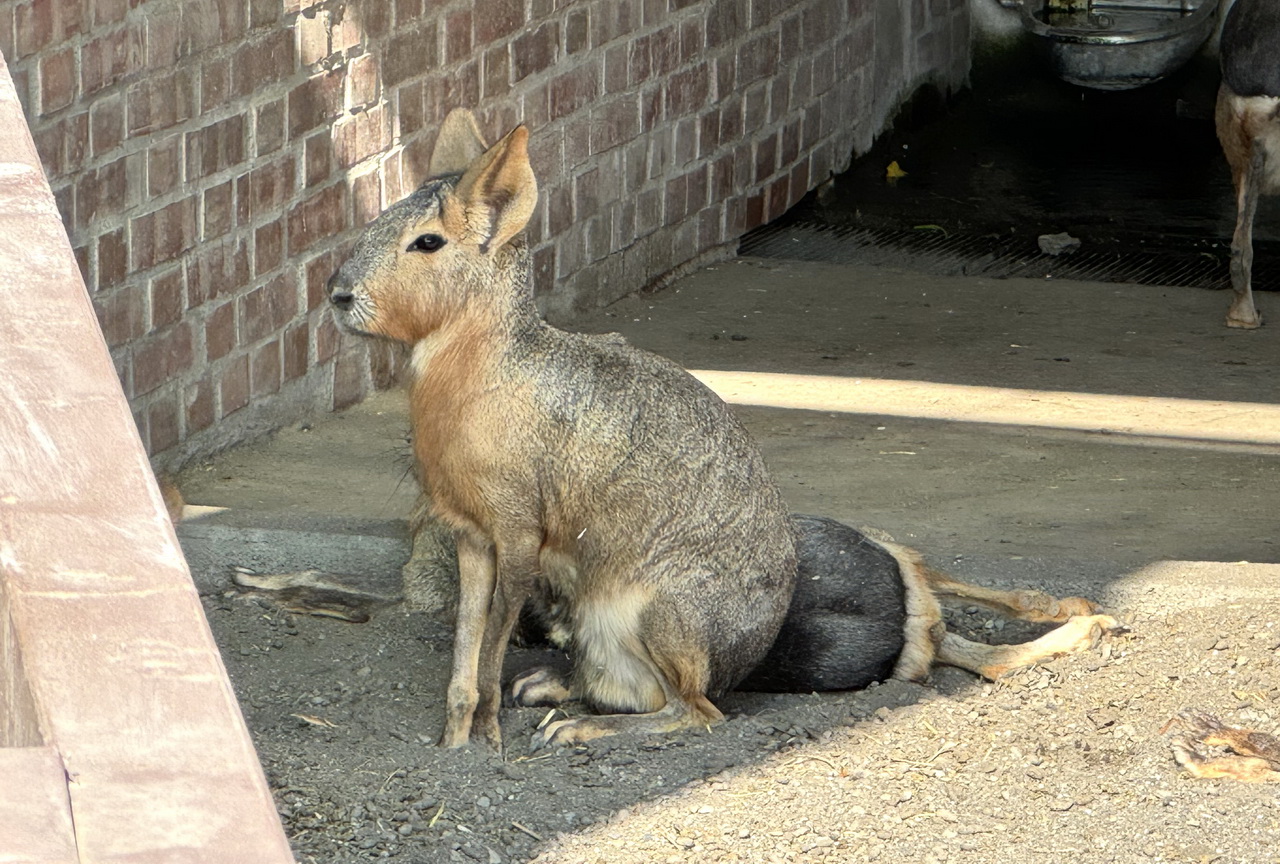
<point x="539" y="687"/>
<point x="566" y="733"/>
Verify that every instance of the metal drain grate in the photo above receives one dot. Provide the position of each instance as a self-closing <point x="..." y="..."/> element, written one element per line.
<point x="994" y="257"/>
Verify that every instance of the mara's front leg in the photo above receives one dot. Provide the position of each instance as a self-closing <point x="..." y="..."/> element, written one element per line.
<point x="517" y="567"/>
<point x="475" y="591"/>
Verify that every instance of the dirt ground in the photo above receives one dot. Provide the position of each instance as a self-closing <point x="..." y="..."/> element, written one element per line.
<point x="1174" y="533"/>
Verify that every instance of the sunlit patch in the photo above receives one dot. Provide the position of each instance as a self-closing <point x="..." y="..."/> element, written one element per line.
<point x="1187" y="420"/>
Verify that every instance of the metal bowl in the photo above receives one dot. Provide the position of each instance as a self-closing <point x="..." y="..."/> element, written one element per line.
<point x="1119" y="44"/>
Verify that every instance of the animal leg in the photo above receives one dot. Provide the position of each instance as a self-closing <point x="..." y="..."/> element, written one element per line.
<point x="1242" y="313"/>
<point x="540" y="687"/>
<point x="992" y="661"/>
<point x="476" y="577"/>
<point x="312" y="592"/>
<point x="1025" y="605"/>
<point x="516" y="561"/>
<point x="672" y="717"/>
<point x="653" y="679"/>
<point x="1255" y="756"/>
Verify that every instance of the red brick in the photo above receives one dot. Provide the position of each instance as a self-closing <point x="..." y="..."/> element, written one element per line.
<point x="572" y="91"/>
<point x="321" y="216"/>
<point x="216" y="147"/>
<point x="106" y="124"/>
<point x="366" y="198"/>
<point x="457" y="36"/>
<point x="108" y="58"/>
<point x="161" y="358"/>
<point x="161" y="101"/>
<point x="121" y="314"/>
<point x="295" y="352"/>
<point x="266" y="189"/>
<point x="219" y="210"/>
<point x="319" y="158"/>
<point x="233" y="386"/>
<point x="163" y="235"/>
<point x="664" y="51"/>
<point x="687" y="90"/>
<point x="362" y="80"/>
<point x="376" y="20"/>
<point x="359" y="137"/>
<point x="755" y="213"/>
<point x="639" y="62"/>
<point x="326" y="338"/>
<point x="220" y="331"/>
<point x="615" y="69"/>
<point x="269" y="128"/>
<point x="407" y="11"/>
<point x="463" y="86"/>
<point x="263" y="62"/>
<point x="693" y="40"/>
<point x="500" y="18"/>
<point x="409" y="54"/>
<point x="217" y="269"/>
<point x="268" y="248"/>
<point x="198" y="403"/>
<point x="104" y="190"/>
<point x="108" y="11"/>
<point x="496" y="78"/>
<point x="57" y="80"/>
<point x="215" y="84"/>
<point x="162" y="425"/>
<point x="318" y="271"/>
<point x="316" y="102"/>
<point x="164" y="165"/>
<point x="168" y="298"/>
<point x="535" y="50"/>
<point x="263" y="13"/>
<point x="544" y="269"/>
<point x="264" y="370"/>
<point x="577" y="30"/>
<point x="266" y="310"/>
<point x="779" y="196"/>
<point x="113" y="259"/>
<point x="757" y="58"/>
<point x="350" y="379"/>
<point x="34" y="26"/>
<point x="164" y="37"/>
<point x="766" y="162"/>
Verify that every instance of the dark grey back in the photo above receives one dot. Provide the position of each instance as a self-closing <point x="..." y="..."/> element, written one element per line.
<point x="1251" y="48"/>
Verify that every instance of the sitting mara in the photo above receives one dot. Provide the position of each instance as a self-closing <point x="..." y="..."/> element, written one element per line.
<point x="619" y="495"/>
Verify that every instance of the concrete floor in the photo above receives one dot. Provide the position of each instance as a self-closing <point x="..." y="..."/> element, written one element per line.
<point x="1071" y="436"/>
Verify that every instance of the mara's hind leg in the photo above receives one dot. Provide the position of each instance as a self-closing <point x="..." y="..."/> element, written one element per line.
<point x="1254" y="757"/>
<point x="992" y="661"/>
<point x="1026" y="605"/>
<point x="540" y="688"/>
<point x="652" y="682"/>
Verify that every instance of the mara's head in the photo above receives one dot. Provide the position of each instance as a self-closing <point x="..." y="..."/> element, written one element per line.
<point x="451" y="243"/>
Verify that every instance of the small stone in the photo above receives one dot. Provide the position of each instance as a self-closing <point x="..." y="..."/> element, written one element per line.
<point x="1057" y="244"/>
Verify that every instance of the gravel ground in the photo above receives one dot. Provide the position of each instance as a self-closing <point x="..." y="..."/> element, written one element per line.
<point x="1053" y="762"/>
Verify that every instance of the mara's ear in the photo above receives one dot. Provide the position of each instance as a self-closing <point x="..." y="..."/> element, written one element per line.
<point x="498" y="191"/>
<point x="458" y="144"/>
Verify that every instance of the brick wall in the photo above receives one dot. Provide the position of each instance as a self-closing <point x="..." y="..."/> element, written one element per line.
<point x="213" y="158"/>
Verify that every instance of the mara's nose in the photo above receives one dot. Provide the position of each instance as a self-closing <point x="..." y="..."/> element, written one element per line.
<point x="340" y="293"/>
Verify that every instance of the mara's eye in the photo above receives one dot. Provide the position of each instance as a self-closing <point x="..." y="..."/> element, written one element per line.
<point x="427" y="243"/>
